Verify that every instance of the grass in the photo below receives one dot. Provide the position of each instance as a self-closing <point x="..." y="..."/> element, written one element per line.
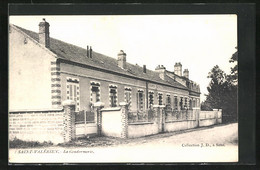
<point x="17" y="143"/>
<point x="94" y="142"/>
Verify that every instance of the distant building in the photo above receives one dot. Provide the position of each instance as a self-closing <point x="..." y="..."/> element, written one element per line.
<point x="44" y="71"/>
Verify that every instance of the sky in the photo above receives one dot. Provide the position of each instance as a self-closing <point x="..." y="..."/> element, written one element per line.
<point x="199" y="42"/>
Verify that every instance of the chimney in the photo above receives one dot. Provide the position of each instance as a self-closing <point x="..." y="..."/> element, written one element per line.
<point x="162" y="71"/>
<point x="90" y="52"/>
<point x="178" y="69"/>
<point x="121" y="59"/>
<point x="87" y="51"/>
<point x="144" y="68"/>
<point x="44" y="34"/>
<point x="186" y="73"/>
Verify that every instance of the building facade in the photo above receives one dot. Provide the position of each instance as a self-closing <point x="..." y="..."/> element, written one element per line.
<point x="44" y="71"/>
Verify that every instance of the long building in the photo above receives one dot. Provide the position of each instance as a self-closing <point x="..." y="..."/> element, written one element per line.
<point x="44" y="71"/>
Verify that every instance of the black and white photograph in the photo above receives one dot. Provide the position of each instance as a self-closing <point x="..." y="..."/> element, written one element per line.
<point x="123" y="88"/>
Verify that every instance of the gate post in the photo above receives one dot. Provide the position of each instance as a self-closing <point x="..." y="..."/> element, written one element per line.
<point x="163" y="117"/>
<point x="124" y="119"/>
<point x="156" y="109"/>
<point x="160" y="116"/>
<point x="69" y="132"/>
<point x="216" y="115"/>
<point x="219" y="115"/>
<point x="97" y="108"/>
<point x="196" y="112"/>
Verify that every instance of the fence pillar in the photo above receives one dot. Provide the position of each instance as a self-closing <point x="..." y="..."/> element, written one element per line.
<point x="216" y="115"/>
<point x="124" y="119"/>
<point x="97" y="107"/>
<point x="162" y="113"/>
<point x="220" y="115"/>
<point x="196" y="113"/>
<point x="160" y="116"/>
<point x="69" y="132"/>
<point x="157" y="111"/>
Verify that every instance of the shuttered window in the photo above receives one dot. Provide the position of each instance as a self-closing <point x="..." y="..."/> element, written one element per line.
<point x="151" y="98"/>
<point x="140" y="100"/>
<point x="160" y="98"/>
<point x="73" y="91"/>
<point x="175" y="102"/>
<point x="112" y="96"/>
<point x="168" y="100"/>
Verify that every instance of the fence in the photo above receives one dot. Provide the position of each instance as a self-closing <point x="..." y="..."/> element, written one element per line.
<point x="208" y="118"/>
<point x="85" y="123"/>
<point x="65" y="124"/>
<point x="141" y="116"/>
<point x="178" y="115"/>
<point x="83" y="117"/>
<point x="207" y="115"/>
<point x="55" y="125"/>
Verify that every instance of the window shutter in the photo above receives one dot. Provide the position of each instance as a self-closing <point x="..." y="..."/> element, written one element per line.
<point x="137" y="101"/>
<point x="144" y="101"/>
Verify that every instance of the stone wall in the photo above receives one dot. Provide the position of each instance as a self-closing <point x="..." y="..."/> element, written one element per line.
<point x="180" y="125"/>
<point x="55" y="125"/>
<point x="142" y="129"/>
<point x="208" y="118"/>
<point x="160" y="125"/>
<point x="111" y="122"/>
<point x="59" y="126"/>
<point x="37" y="126"/>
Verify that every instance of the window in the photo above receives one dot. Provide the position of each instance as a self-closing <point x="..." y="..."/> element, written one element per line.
<point x="128" y="96"/>
<point x="95" y="92"/>
<point x="151" y="98"/>
<point x="160" y="97"/>
<point x="168" y="100"/>
<point x="193" y="103"/>
<point x="181" y="103"/>
<point x="190" y="104"/>
<point x="140" y="100"/>
<point x="73" y="91"/>
<point x="113" y="96"/>
<point x="185" y="103"/>
<point x="175" y="103"/>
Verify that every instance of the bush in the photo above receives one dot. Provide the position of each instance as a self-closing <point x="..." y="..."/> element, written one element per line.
<point x="17" y="143"/>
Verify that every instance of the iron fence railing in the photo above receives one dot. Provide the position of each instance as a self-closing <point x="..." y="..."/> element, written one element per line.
<point x="84" y="117"/>
<point x="207" y="115"/>
<point x="171" y="115"/>
<point x="141" y="116"/>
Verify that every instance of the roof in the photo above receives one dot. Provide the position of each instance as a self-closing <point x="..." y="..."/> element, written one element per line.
<point x="77" y="54"/>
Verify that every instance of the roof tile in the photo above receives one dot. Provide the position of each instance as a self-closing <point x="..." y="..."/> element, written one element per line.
<point x="77" y="54"/>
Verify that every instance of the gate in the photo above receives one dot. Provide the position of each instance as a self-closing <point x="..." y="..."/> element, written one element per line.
<point x="85" y="123"/>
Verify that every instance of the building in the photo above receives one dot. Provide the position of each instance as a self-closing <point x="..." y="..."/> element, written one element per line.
<point x="44" y="71"/>
<point x="48" y="76"/>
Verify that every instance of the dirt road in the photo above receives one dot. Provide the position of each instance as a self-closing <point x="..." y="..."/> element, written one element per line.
<point x="215" y="144"/>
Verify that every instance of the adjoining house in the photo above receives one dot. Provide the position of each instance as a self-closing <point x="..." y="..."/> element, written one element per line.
<point x="44" y="71"/>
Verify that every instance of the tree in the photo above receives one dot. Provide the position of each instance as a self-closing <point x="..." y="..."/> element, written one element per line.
<point x="222" y="91"/>
<point x="216" y="88"/>
<point x="205" y="106"/>
<point x="233" y="77"/>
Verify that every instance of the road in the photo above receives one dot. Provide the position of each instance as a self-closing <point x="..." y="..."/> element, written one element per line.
<point x="215" y="144"/>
